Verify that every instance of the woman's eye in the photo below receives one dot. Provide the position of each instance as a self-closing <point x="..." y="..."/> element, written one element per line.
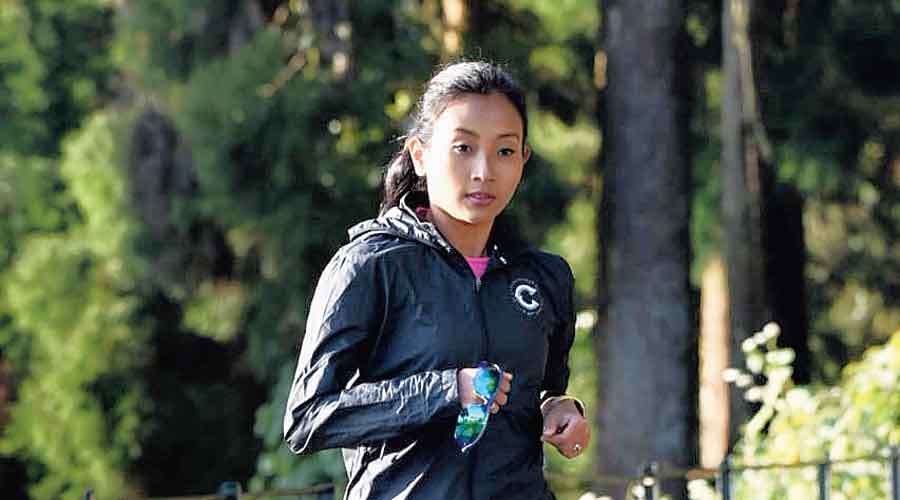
<point x="507" y="152"/>
<point x="461" y="148"/>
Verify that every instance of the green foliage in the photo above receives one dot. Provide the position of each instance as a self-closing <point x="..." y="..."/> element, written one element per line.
<point x="214" y="310"/>
<point x="277" y="467"/>
<point x="71" y="298"/>
<point x="836" y="142"/>
<point x="30" y="201"/>
<point x="564" y="19"/>
<point x="569" y="239"/>
<point x="859" y="417"/>
<point x="53" y="65"/>
<point x="161" y="41"/>
<point x="21" y="71"/>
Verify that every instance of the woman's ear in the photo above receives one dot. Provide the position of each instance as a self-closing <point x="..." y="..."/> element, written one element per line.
<point x="526" y="154"/>
<point x="417" y="153"/>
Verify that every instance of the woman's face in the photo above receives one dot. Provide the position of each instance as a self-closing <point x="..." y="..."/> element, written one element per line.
<point x="473" y="162"/>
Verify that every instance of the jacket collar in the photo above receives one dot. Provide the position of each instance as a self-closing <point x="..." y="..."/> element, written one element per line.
<point x="503" y="243"/>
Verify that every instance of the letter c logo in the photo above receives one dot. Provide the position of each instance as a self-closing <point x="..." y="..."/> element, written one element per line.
<point x="526" y="296"/>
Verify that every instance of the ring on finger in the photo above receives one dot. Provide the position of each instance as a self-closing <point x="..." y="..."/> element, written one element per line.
<point x="576" y="448"/>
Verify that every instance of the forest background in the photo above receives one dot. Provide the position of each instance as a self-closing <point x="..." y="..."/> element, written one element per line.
<point x="174" y="174"/>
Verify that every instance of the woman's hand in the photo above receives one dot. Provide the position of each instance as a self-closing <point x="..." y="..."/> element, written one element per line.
<point x="565" y="427"/>
<point x="467" y="396"/>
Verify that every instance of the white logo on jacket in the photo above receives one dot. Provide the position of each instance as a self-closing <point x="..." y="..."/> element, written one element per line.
<point x="526" y="296"/>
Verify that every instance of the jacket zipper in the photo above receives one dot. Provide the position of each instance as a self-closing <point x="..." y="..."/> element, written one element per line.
<point x="473" y="463"/>
<point x="481" y="319"/>
<point x="485" y="347"/>
<point x="476" y="288"/>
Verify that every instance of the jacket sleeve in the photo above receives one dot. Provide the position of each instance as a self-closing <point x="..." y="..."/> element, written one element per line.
<point x="556" y="373"/>
<point x="329" y="406"/>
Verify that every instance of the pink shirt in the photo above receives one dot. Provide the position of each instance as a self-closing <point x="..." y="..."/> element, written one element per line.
<point x="478" y="265"/>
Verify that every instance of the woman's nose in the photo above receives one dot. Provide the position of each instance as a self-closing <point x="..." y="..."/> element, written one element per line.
<point x="482" y="170"/>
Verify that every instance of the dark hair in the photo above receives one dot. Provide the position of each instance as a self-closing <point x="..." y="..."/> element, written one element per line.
<point x="452" y="81"/>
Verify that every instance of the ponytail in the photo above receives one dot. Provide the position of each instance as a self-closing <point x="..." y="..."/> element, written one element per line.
<point x="400" y="178"/>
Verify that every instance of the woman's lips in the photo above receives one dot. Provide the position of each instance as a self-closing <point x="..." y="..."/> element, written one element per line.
<point x="480" y="199"/>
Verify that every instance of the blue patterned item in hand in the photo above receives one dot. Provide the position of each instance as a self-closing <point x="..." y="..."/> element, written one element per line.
<point x="473" y="419"/>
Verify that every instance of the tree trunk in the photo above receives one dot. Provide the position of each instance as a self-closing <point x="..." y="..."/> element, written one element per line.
<point x="646" y="342"/>
<point x="715" y="356"/>
<point x="743" y="183"/>
<point x="454" y="17"/>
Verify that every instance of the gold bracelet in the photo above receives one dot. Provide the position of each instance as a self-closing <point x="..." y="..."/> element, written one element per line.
<point x="579" y="405"/>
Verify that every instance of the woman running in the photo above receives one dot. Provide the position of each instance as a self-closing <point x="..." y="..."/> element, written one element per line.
<point x="436" y="347"/>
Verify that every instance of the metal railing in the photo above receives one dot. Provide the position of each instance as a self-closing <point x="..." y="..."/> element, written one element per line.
<point x="724" y="477"/>
<point x="231" y="490"/>
<point x="645" y="487"/>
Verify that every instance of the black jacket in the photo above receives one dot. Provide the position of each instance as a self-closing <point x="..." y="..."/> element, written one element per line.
<point x="396" y="312"/>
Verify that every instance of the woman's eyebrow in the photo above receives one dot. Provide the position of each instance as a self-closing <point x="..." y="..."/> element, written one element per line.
<point x="473" y="133"/>
<point x="466" y="131"/>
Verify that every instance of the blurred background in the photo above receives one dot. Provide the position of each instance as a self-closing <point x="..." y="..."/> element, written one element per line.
<point x="174" y="174"/>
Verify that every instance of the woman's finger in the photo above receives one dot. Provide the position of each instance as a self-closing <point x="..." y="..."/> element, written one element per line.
<point x="495" y="407"/>
<point x="575" y="439"/>
<point x="501" y="398"/>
